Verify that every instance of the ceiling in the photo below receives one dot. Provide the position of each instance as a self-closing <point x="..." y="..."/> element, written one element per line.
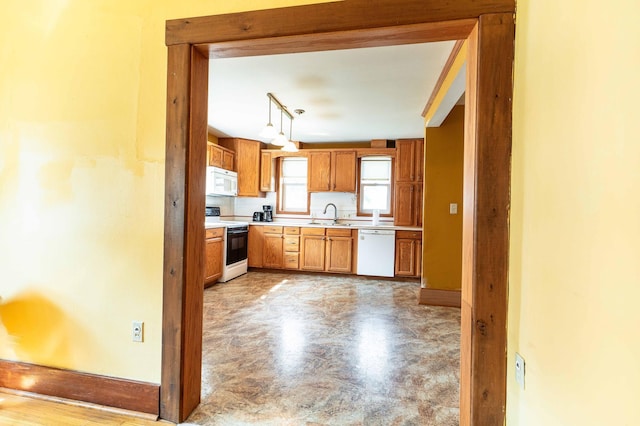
<point x="348" y="95"/>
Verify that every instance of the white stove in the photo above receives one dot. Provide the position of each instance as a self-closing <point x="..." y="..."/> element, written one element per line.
<point x="234" y="257"/>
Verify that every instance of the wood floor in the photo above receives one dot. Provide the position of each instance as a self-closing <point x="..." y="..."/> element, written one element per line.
<point x="25" y="411"/>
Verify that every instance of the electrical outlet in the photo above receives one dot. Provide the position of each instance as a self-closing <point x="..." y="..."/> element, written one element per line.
<point x="453" y="208"/>
<point x="520" y="370"/>
<point x="137" y="331"/>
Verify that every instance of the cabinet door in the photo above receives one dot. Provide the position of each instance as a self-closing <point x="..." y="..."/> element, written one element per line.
<point x="213" y="260"/>
<point x="227" y="160"/>
<point x="266" y="172"/>
<point x="255" y="246"/>
<point x="418" y="152"/>
<point x="215" y="156"/>
<point x="312" y="252"/>
<point x="404" y="211"/>
<point x="418" y="258"/>
<point x="405" y="161"/>
<point x="339" y="254"/>
<point x="273" y="255"/>
<point x="319" y="175"/>
<point x="418" y="213"/>
<point x="405" y="257"/>
<point x="248" y="168"/>
<point x="343" y="171"/>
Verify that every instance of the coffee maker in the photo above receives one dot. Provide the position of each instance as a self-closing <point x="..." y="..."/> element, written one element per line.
<point x="267" y="215"/>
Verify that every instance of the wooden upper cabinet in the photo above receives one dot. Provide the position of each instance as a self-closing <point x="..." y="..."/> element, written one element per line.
<point x="248" y="155"/>
<point x="409" y="160"/>
<point x="343" y="171"/>
<point x="319" y="171"/>
<point x="409" y="170"/>
<point x="267" y="169"/>
<point x="418" y="152"/>
<point x="405" y="207"/>
<point x="332" y="171"/>
<point x="220" y="157"/>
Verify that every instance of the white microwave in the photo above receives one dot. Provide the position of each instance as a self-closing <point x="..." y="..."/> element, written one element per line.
<point x="222" y="182"/>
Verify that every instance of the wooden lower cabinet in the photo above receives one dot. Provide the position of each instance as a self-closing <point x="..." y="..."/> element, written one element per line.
<point x="339" y="254"/>
<point x="408" y="253"/>
<point x="213" y="249"/>
<point x="327" y="250"/>
<point x="291" y="247"/>
<point x="307" y="249"/>
<point x="272" y="253"/>
<point x="255" y="246"/>
<point x="312" y="249"/>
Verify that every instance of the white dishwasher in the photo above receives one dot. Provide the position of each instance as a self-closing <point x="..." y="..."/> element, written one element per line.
<point x="376" y="252"/>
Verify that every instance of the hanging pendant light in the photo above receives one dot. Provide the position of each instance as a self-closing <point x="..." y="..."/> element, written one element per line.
<point x="289" y="146"/>
<point x="269" y="132"/>
<point x="281" y="139"/>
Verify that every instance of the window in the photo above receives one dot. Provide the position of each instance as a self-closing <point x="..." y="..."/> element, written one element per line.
<point x="375" y="185"/>
<point x="292" y="186"/>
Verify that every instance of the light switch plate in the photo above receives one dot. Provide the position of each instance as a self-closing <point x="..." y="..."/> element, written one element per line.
<point x="453" y="208"/>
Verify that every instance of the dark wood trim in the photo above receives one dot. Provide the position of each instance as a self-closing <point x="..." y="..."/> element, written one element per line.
<point x="486" y="228"/>
<point x="184" y="232"/>
<point x="109" y="391"/>
<point x="388" y="36"/>
<point x="443" y="75"/>
<point x="437" y="297"/>
<point x="351" y="15"/>
<point x="483" y="376"/>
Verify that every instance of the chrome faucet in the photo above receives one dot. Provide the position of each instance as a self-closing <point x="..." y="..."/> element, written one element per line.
<point x="335" y="217"/>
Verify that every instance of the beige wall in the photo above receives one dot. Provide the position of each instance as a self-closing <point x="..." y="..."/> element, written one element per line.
<point x="82" y="127"/>
<point x="575" y="219"/>
<point x="442" y="246"/>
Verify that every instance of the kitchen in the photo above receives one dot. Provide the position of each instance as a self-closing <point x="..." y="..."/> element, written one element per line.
<point x="333" y="158"/>
<point x="329" y="236"/>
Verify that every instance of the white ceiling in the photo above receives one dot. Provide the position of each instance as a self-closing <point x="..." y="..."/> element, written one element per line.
<point x="348" y="95"/>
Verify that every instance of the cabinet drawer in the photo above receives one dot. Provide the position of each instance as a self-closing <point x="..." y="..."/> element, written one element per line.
<point x="213" y="233"/>
<point x="312" y="231"/>
<point x="291" y="244"/>
<point x="291" y="260"/>
<point x="291" y="230"/>
<point x="273" y="229"/>
<point x="415" y="235"/>
<point x="338" y="232"/>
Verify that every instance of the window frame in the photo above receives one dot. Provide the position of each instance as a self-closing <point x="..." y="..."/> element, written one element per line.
<point x="359" y="211"/>
<point x="279" y="206"/>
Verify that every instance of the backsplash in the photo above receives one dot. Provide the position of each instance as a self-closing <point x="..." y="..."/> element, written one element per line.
<point x="243" y="207"/>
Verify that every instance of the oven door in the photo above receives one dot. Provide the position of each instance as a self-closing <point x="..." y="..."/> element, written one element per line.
<point x="237" y="239"/>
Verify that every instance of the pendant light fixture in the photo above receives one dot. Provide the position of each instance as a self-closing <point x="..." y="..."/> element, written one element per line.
<point x="269" y="132"/>
<point x="289" y="146"/>
<point x="281" y="139"/>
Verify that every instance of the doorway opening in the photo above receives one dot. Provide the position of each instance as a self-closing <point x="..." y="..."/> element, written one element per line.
<point x="490" y="34"/>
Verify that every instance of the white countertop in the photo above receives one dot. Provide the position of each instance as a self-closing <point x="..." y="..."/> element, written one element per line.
<point x="340" y="225"/>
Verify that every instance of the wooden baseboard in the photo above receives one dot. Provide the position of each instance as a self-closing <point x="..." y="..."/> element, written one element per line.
<point x="435" y="297"/>
<point x="112" y="392"/>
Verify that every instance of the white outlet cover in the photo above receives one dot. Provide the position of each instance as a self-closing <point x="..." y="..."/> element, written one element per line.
<point x="520" y="370"/>
<point x="453" y="208"/>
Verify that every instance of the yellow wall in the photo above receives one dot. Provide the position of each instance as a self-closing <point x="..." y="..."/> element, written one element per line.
<point x="82" y="137"/>
<point x="442" y="246"/>
<point x="575" y="218"/>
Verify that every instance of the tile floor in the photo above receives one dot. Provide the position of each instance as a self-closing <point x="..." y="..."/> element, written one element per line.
<point x="298" y="349"/>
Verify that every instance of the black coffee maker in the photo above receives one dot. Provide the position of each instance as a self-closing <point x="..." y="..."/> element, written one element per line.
<point x="267" y="215"/>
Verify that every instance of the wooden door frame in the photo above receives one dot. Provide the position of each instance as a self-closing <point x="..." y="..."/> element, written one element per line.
<point x="489" y="26"/>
